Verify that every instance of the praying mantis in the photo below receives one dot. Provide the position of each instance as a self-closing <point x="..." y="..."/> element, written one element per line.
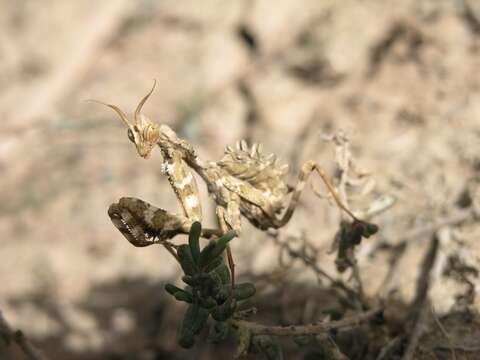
<point x="245" y="182"/>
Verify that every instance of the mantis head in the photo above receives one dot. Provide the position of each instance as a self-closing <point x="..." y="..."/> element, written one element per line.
<point x="143" y="132"/>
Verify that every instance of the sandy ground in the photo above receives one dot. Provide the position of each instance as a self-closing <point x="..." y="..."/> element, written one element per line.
<point x="399" y="79"/>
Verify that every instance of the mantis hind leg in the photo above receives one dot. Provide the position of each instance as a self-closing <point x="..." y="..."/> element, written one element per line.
<point x="305" y="172"/>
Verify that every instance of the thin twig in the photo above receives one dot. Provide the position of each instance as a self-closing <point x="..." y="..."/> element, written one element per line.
<point x="415" y="333"/>
<point x="377" y="207"/>
<point x="417" y="309"/>
<point x="169" y="248"/>
<point x="312" y="264"/>
<point x="336" y="353"/>
<point x="241" y="314"/>
<point x="455" y="218"/>
<point x="389" y="348"/>
<point x="343" y="158"/>
<point x="31" y="352"/>
<point x="310" y="329"/>
<point x="458" y="347"/>
<point x="423" y="282"/>
<point x="444" y="332"/>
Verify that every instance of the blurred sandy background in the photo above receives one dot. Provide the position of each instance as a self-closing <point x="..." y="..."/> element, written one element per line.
<point x="399" y="78"/>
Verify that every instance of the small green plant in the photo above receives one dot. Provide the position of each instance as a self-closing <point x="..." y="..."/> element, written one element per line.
<point x="209" y="291"/>
<point x="212" y="296"/>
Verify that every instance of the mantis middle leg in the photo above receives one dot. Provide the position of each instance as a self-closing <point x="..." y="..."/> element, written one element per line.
<point x="229" y="218"/>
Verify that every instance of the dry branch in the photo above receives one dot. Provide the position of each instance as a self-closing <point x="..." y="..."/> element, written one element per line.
<point x="419" y="304"/>
<point x="310" y="329"/>
<point x="311" y="263"/>
<point x="17" y="336"/>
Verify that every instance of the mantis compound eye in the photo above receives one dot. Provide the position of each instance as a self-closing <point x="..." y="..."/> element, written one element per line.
<point x="130" y="135"/>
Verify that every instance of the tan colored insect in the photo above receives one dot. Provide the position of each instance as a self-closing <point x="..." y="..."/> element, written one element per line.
<point x="244" y="182"/>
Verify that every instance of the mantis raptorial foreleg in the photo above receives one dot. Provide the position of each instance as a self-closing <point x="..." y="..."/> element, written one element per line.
<point x="144" y="224"/>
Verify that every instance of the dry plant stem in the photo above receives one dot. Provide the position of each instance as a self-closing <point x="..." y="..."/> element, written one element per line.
<point x="385" y="352"/>
<point x="444" y="332"/>
<point x="415" y="333"/>
<point x="418" y="307"/>
<point x="387" y="283"/>
<point x="344" y="159"/>
<point x="455" y="218"/>
<point x="458" y="347"/>
<point x="312" y="264"/>
<point x="377" y="207"/>
<point x="241" y="314"/>
<point x="30" y="351"/>
<point x="231" y="265"/>
<point x="336" y="353"/>
<point x="310" y="329"/>
<point x="169" y="248"/>
<point x="358" y="280"/>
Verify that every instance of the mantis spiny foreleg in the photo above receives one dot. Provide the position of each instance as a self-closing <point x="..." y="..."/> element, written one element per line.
<point x="141" y="222"/>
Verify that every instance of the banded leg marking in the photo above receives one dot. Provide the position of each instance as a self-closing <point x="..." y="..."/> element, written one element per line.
<point x="307" y="169"/>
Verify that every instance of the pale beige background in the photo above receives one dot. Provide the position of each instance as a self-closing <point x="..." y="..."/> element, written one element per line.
<point x="399" y="77"/>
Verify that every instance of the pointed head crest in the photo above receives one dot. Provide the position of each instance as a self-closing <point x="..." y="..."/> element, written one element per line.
<point x="142" y="132"/>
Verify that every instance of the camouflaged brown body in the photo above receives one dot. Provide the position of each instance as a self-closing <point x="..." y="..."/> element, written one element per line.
<point x="263" y="172"/>
<point x="244" y="182"/>
<point x="258" y="180"/>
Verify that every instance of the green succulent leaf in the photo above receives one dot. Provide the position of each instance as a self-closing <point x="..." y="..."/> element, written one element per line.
<point x="221" y="243"/>
<point x="208" y="303"/>
<point x="223" y="273"/>
<point x="187" y="263"/>
<point x="206" y="254"/>
<point x="186" y="338"/>
<point x="207" y="285"/>
<point x="225" y="311"/>
<point x="184" y="296"/>
<point x="190" y="280"/>
<point x="244" y="291"/>
<point x="215" y="248"/>
<point x="172" y="289"/>
<point x="215" y="263"/>
<point x="178" y="293"/>
<point x="193" y="322"/>
<point x="222" y="294"/>
<point x="194" y="240"/>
